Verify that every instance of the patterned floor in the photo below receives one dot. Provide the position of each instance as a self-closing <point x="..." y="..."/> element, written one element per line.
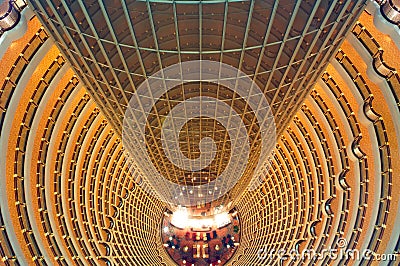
<point x="208" y="247"/>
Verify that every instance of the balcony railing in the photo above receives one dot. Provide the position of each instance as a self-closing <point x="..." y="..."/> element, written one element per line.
<point x="381" y="67"/>
<point x="10" y="14"/>
<point x="390" y="10"/>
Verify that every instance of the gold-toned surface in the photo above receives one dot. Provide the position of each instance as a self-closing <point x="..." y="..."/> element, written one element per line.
<point x="282" y="46"/>
<point x="72" y="200"/>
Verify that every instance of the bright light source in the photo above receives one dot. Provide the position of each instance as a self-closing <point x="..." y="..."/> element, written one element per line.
<point x="180" y="218"/>
<point x="222" y="219"/>
<point x="200" y="223"/>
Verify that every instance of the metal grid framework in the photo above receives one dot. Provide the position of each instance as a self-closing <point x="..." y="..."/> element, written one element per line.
<point x="333" y="174"/>
<point x="115" y="45"/>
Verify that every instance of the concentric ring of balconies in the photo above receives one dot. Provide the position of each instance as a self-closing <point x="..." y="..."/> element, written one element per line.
<point x="324" y="182"/>
<point x="114" y="47"/>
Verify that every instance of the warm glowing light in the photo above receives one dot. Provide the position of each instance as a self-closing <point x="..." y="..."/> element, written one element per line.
<point x="181" y="219"/>
<point x="222" y="219"/>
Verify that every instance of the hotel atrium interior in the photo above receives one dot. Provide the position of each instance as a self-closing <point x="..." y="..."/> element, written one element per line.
<point x="199" y="132"/>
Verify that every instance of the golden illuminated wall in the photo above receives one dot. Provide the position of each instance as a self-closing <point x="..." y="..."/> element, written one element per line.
<point x="67" y="196"/>
<point x="334" y="174"/>
<point x="282" y="46"/>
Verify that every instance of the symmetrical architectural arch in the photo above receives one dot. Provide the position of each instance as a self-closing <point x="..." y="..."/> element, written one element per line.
<point x="69" y="196"/>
